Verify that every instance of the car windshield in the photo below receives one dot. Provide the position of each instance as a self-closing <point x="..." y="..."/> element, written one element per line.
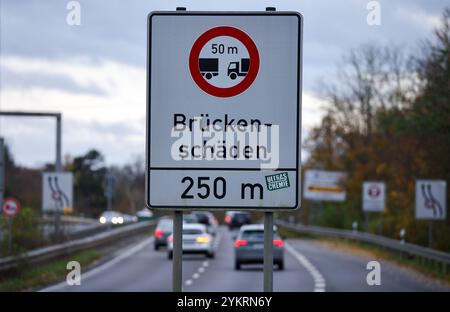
<point x="165" y="225"/>
<point x="255" y="235"/>
<point x="192" y="231"/>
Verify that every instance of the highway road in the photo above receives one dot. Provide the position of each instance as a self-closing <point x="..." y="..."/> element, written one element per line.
<point x="309" y="266"/>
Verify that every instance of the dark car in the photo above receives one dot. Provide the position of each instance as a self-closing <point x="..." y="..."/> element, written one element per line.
<point x="236" y="219"/>
<point x="162" y="232"/>
<point x="249" y="247"/>
<point x="208" y="219"/>
<point x="190" y="218"/>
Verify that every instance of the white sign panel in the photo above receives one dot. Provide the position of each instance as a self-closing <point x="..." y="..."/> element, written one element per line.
<point x="223" y="111"/>
<point x="374" y="196"/>
<point x="57" y="190"/>
<point x="324" y="185"/>
<point x="431" y="199"/>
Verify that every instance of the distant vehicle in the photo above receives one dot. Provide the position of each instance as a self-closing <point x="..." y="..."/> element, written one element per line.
<point x="113" y="217"/>
<point x="129" y="218"/>
<point x="209" y="67"/>
<point x="144" y="215"/>
<point x="162" y="232"/>
<point x="236" y="219"/>
<point x="207" y="218"/>
<point x="236" y="69"/>
<point x="190" y="218"/>
<point x="249" y="246"/>
<point x="196" y="240"/>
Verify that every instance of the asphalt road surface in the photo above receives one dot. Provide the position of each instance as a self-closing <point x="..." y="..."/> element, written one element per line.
<point x="309" y="266"/>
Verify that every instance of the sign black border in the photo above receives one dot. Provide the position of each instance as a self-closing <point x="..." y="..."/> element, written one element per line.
<point x="148" y="168"/>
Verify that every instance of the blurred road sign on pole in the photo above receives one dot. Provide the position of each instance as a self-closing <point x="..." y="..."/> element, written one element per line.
<point x="374" y="194"/>
<point x="228" y="73"/>
<point x="11" y="207"/>
<point x="57" y="192"/>
<point x="431" y="197"/>
<point x="321" y="185"/>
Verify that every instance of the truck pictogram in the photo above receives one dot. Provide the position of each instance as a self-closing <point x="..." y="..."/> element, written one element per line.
<point x="209" y="67"/>
<point x="240" y="69"/>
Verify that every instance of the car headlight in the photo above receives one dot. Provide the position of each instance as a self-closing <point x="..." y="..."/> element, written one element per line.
<point x="120" y="220"/>
<point x="102" y="220"/>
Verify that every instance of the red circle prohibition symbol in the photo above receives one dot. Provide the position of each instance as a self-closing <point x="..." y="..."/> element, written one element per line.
<point x="195" y="54"/>
<point x="7" y="208"/>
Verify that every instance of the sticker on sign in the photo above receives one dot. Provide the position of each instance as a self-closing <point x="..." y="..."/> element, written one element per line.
<point x="223" y="110"/>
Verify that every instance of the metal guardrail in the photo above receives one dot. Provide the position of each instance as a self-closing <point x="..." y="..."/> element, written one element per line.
<point x="438" y="257"/>
<point x="68" y="248"/>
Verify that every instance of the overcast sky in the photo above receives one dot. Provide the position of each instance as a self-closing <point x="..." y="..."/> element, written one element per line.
<point x="95" y="73"/>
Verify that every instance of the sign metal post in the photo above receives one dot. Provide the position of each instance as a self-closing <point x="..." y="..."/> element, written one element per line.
<point x="10" y="209"/>
<point x="268" y="251"/>
<point x="177" y="266"/>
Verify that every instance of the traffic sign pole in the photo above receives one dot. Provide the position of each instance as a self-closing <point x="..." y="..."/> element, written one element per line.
<point x="10" y="221"/>
<point x="177" y="264"/>
<point x="10" y="209"/>
<point x="177" y="261"/>
<point x="58" y="168"/>
<point x="430" y="234"/>
<point x="58" y="164"/>
<point x="268" y="251"/>
<point x="268" y="240"/>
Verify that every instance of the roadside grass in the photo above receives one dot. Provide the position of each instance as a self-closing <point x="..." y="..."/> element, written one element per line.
<point x="427" y="268"/>
<point x="28" y="278"/>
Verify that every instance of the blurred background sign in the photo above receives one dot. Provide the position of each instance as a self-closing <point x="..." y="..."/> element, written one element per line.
<point x="11" y="207"/>
<point x="324" y="185"/>
<point x="57" y="192"/>
<point x="374" y="196"/>
<point x="431" y="199"/>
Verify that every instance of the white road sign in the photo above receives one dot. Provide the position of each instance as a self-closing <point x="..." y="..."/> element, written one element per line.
<point x="324" y="185"/>
<point x="223" y="111"/>
<point x="431" y="199"/>
<point x="57" y="190"/>
<point x="374" y="194"/>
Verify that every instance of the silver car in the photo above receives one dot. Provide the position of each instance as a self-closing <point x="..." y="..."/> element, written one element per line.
<point x="196" y="240"/>
<point x="249" y="246"/>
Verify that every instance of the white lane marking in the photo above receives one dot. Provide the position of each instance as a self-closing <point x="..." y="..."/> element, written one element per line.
<point x="319" y="280"/>
<point x="129" y="252"/>
<point x="205" y="264"/>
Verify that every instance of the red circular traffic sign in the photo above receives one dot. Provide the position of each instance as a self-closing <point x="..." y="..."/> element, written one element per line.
<point x="11" y="207"/>
<point x="195" y="55"/>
